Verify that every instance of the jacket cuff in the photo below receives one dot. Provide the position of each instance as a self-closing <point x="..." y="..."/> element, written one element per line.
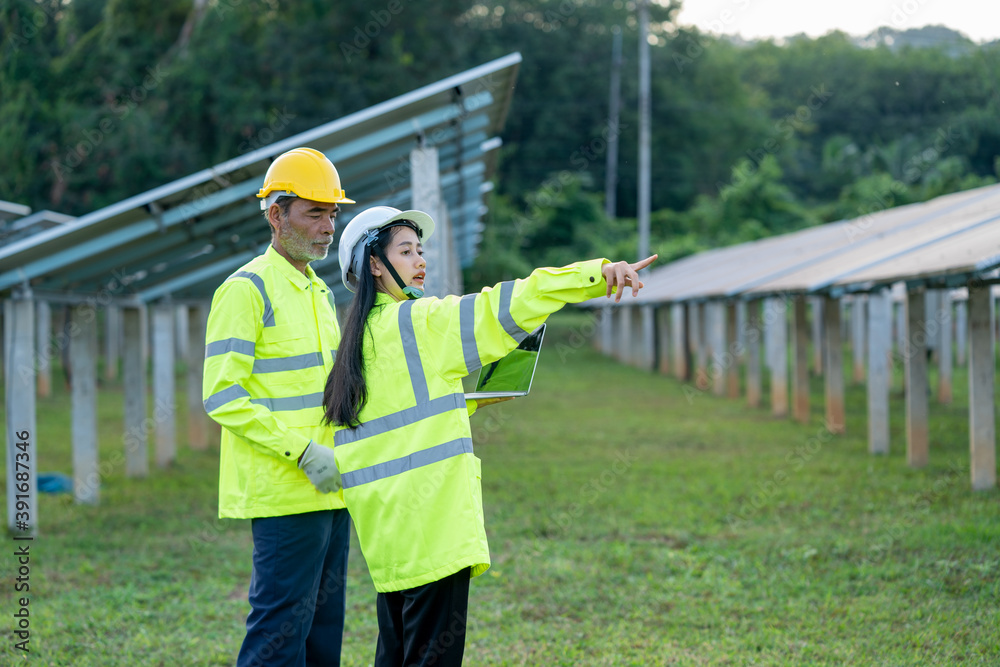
<point x="293" y="454"/>
<point x="593" y="279"/>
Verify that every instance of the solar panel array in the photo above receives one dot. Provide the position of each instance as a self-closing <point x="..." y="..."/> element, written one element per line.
<point x="943" y="242"/>
<point x="184" y="238"/>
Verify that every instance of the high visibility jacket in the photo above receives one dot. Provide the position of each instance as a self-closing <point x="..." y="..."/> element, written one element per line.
<point x="271" y="339"/>
<point x="411" y="480"/>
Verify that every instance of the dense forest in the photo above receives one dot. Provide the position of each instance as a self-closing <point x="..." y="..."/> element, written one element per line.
<point x="100" y="100"/>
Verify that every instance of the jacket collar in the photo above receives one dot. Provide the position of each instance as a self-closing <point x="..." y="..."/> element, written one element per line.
<point x="286" y="269"/>
<point x="381" y="299"/>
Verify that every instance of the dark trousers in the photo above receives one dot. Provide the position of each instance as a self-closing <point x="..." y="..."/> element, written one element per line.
<point x="425" y="625"/>
<point x="297" y="590"/>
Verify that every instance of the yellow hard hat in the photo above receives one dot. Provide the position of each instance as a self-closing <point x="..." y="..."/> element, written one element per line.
<point x="306" y="173"/>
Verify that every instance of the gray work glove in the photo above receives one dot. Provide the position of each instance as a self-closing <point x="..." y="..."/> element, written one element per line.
<point x="319" y="466"/>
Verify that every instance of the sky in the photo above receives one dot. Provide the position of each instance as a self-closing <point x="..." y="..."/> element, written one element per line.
<point x="977" y="19"/>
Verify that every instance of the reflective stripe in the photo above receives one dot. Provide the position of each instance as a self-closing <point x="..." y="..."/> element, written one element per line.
<point x="333" y="356"/>
<point x="268" y="317"/>
<point x="412" y="354"/>
<point x="289" y="403"/>
<point x="400" y="419"/>
<point x="295" y="363"/>
<point x="238" y="345"/>
<point x="407" y="463"/>
<point x="467" y="324"/>
<point x="227" y="395"/>
<point x="506" y="319"/>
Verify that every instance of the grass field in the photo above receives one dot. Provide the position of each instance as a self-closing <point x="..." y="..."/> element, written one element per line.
<point x="631" y="522"/>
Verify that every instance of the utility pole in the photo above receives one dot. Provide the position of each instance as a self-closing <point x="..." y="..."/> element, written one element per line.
<point x="648" y="335"/>
<point x="644" y="131"/>
<point x="611" y="175"/>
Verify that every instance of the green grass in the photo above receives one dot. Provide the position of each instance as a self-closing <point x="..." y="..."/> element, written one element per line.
<point x="631" y="522"/>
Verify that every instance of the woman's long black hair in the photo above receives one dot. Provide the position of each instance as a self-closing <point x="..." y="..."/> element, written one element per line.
<point x="346" y="392"/>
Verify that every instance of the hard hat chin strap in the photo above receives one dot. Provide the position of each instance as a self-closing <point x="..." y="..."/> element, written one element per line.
<point x="410" y="291"/>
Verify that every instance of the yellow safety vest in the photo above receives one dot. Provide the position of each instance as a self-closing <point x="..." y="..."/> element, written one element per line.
<point x="271" y="340"/>
<point x="411" y="480"/>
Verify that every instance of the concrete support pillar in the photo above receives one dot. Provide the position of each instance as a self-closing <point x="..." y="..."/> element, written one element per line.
<point x="982" y="417"/>
<point x="636" y="345"/>
<point x="623" y="339"/>
<point x="717" y="346"/>
<point x="932" y="306"/>
<point x="879" y="380"/>
<point x="197" y="320"/>
<point x="647" y="337"/>
<point x="776" y="321"/>
<point x="752" y="338"/>
<point x="816" y="304"/>
<point x="663" y="339"/>
<point x="731" y="352"/>
<point x="134" y="379"/>
<point x="453" y="281"/>
<point x="836" y="420"/>
<point x="112" y="341"/>
<point x="858" y="343"/>
<point x="915" y="356"/>
<point x="181" y="332"/>
<point x="945" y="322"/>
<point x="164" y="391"/>
<point x="767" y="324"/>
<point x="145" y="335"/>
<point x="681" y="360"/>
<point x="45" y="351"/>
<point x="20" y="417"/>
<point x="845" y="332"/>
<point x="607" y="323"/>
<point x="800" y="360"/>
<point x="425" y="181"/>
<point x="900" y="310"/>
<point x="961" y="331"/>
<point x="696" y="338"/>
<point x="83" y="356"/>
<point x="741" y="330"/>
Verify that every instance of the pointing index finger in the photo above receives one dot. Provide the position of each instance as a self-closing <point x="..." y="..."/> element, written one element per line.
<point x="641" y="264"/>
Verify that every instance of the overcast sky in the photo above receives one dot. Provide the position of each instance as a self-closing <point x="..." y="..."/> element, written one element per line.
<point x="977" y="19"/>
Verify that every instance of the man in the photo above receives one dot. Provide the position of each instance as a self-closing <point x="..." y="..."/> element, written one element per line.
<point x="271" y="340"/>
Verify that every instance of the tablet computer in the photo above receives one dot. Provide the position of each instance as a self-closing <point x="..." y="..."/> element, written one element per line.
<point x="512" y="374"/>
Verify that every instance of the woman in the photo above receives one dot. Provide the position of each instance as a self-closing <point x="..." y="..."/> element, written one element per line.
<point x="403" y="442"/>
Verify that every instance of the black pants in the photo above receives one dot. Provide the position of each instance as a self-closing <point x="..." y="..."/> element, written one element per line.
<point x="424" y="626"/>
<point x="297" y="590"/>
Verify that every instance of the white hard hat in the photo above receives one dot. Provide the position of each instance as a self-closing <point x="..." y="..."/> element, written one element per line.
<point x="352" y="242"/>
